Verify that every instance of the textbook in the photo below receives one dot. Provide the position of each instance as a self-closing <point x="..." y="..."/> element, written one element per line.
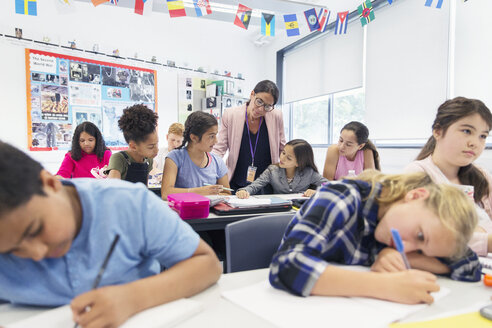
<point x="233" y="205"/>
<point x="162" y="316"/>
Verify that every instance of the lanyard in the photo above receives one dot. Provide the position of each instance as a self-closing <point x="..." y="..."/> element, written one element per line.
<point x="249" y="136"/>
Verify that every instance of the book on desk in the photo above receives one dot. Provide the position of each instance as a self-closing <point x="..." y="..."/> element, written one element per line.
<point x="234" y="205"/>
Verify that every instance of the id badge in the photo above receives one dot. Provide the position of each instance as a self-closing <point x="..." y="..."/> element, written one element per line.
<point x="250" y="177"/>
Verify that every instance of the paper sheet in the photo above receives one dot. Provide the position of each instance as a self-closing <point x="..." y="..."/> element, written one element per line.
<point x="285" y="310"/>
<point x="248" y="202"/>
<point x="163" y="316"/>
<point x="473" y="319"/>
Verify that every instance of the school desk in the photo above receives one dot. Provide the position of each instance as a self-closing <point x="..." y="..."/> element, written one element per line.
<point x="220" y="313"/>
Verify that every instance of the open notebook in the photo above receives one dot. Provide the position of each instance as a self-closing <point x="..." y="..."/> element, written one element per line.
<point x="289" y="311"/>
<point x="161" y="316"/>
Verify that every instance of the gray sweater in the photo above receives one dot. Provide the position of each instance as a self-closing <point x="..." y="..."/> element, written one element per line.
<point x="277" y="178"/>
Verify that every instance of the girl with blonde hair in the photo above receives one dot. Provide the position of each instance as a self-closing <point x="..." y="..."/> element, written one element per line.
<point x="350" y="222"/>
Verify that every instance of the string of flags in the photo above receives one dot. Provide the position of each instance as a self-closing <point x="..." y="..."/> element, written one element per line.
<point x="316" y="21"/>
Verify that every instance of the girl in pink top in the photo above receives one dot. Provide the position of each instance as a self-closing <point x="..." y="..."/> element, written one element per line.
<point x="458" y="139"/>
<point x="354" y="151"/>
<point x="89" y="155"/>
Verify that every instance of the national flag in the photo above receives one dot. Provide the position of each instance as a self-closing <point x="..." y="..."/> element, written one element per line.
<point x="366" y="14"/>
<point x="312" y="19"/>
<point x="267" y="24"/>
<point x="139" y="6"/>
<point x="428" y="3"/>
<point x="176" y="8"/>
<point x="202" y="7"/>
<point x="323" y="17"/>
<point x="114" y="2"/>
<point x="98" y="2"/>
<point x="342" y="22"/>
<point x="243" y="16"/>
<point x="291" y="25"/>
<point x="26" y="7"/>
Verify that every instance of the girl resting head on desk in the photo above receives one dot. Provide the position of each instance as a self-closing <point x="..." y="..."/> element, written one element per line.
<point x="295" y="173"/>
<point x="192" y="167"/>
<point x="350" y="222"/>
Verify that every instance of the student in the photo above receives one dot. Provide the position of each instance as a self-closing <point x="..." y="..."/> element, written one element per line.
<point x="89" y="155"/>
<point x="174" y="139"/>
<point x="295" y="173"/>
<point x="138" y="124"/>
<point x="458" y="138"/>
<point x="54" y="236"/>
<point x="191" y="167"/>
<point x="349" y="222"/>
<point x="354" y="151"/>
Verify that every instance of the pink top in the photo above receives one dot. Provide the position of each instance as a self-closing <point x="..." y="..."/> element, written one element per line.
<point x="82" y="168"/>
<point x="344" y="165"/>
<point x="479" y="241"/>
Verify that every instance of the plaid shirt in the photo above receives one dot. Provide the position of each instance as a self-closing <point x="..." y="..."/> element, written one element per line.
<point x="337" y="225"/>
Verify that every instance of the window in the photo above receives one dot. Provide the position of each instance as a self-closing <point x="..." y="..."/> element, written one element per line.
<point x="319" y="120"/>
<point x="347" y="106"/>
<point x="310" y="120"/>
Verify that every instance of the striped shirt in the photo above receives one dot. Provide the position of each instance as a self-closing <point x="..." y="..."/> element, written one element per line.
<point x="337" y="225"/>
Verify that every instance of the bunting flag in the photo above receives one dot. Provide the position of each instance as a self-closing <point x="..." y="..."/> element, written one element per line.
<point x="243" y="16"/>
<point x="98" y="2"/>
<point x="114" y="2"/>
<point x="291" y="25"/>
<point x="267" y="24"/>
<point x="341" y="24"/>
<point x="202" y="7"/>
<point x="390" y="2"/>
<point x="312" y="19"/>
<point x="428" y="3"/>
<point x="324" y="17"/>
<point x="26" y="7"/>
<point x="176" y="8"/>
<point x="366" y="14"/>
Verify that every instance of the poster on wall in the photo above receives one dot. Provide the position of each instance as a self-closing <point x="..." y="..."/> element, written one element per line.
<point x="64" y="91"/>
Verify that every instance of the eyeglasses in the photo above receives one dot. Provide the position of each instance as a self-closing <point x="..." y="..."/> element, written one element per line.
<point x="261" y="103"/>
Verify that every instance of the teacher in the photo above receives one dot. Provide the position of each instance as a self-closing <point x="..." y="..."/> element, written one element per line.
<point x="254" y="135"/>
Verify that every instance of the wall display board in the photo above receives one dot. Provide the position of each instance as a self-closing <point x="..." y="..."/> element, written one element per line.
<point x="64" y="91"/>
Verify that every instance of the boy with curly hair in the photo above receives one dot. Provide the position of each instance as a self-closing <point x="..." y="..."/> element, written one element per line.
<point x="138" y="124"/>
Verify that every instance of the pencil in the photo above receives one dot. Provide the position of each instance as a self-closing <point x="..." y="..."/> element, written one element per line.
<point x="103" y="267"/>
<point x="208" y="184"/>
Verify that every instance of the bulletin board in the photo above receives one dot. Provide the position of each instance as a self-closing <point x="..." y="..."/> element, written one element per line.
<point x="64" y="91"/>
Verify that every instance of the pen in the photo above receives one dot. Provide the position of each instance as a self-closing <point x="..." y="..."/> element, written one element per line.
<point x="399" y="247"/>
<point x="103" y="267"/>
<point x="208" y="184"/>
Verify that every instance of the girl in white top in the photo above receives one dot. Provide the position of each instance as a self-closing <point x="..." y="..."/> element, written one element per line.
<point x="458" y="138"/>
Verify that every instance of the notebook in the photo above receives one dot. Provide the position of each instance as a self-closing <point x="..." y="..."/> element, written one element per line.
<point x="162" y="316"/>
<point x="274" y="204"/>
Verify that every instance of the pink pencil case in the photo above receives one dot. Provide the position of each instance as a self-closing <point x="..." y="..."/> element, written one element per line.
<point x="189" y="205"/>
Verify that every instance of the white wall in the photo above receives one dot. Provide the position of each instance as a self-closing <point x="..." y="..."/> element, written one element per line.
<point x="197" y="42"/>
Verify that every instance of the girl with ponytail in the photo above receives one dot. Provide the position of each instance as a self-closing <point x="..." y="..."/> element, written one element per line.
<point x="354" y="152"/>
<point x="192" y="167"/>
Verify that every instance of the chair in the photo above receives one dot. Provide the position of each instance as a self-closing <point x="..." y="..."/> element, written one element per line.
<point x="251" y="243"/>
